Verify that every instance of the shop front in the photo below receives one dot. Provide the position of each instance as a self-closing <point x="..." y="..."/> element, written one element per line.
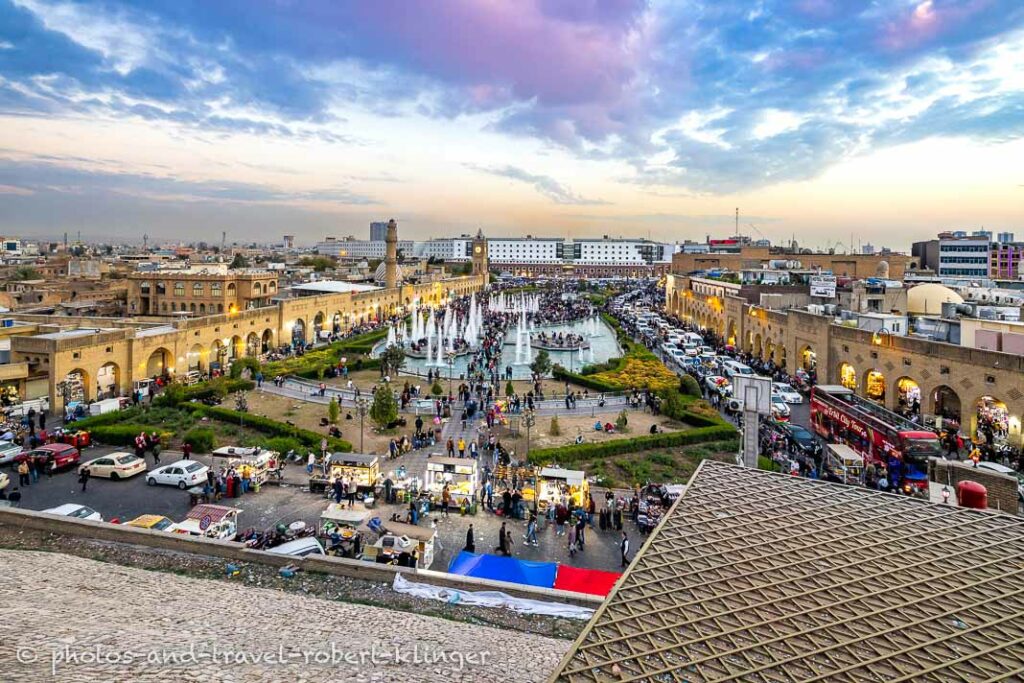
<point x="556" y="484"/>
<point x="362" y="470"/>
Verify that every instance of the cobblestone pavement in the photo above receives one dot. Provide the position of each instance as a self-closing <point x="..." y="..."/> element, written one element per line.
<point x="74" y="620"/>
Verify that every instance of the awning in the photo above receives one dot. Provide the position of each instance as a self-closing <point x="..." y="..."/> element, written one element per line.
<point x="592" y="581"/>
<point x="509" y="569"/>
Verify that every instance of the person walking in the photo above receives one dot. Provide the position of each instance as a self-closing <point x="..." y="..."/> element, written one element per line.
<point x="470" y="544"/>
<point x="503" y="540"/>
<point x="23" y="470"/>
<point x="83" y="478"/>
<point x="462" y="447"/>
<point x="186" y="450"/>
<point x="572" y="540"/>
<point x="446" y="499"/>
<point x="310" y="463"/>
<point x="624" y="548"/>
<point x="530" y="537"/>
<point x="339" y="490"/>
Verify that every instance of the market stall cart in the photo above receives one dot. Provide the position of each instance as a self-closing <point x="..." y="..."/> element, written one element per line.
<point x="555" y="483"/>
<point x="401" y="542"/>
<point x="460" y="475"/>
<point x="339" y="527"/>
<point x="210" y="521"/>
<point x="260" y="462"/>
<point x="363" y="469"/>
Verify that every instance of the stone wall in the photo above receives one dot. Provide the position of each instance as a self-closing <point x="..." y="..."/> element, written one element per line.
<point x="1002" y="489"/>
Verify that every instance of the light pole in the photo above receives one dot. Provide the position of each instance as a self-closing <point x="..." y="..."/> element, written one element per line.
<point x="529" y="419"/>
<point x="451" y="369"/>
<point x="362" y="405"/>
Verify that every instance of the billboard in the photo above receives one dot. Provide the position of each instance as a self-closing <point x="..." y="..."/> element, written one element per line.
<point x="823" y="286"/>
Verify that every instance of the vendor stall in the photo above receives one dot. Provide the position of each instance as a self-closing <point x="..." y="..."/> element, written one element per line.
<point x="339" y="528"/>
<point x="845" y="462"/>
<point x="458" y="474"/>
<point x="400" y="543"/>
<point x="556" y="483"/>
<point x="211" y="521"/>
<point x="362" y="469"/>
<point x="260" y="462"/>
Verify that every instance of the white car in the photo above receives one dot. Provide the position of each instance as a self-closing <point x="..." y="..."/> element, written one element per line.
<point x="9" y="451"/>
<point x="76" y="511"/>
<point x="718" y="384"/>
<point x="115" y="466"/>
<point x="183" y="474"/>
<point x="779" y="408"/>
<point x="786" y="392"/>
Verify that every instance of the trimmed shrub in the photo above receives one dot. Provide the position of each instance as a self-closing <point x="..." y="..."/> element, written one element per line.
<point x="272" y="427"/>
<point x="571" y="454"/>
<point x="200" y="438"/>
<point x="689" y="386"/>
<point x="124" y="434"/>
<point x="240" y="364"/>
<point x="555" y="429"/>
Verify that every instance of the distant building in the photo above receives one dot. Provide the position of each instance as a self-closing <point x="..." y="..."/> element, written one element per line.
<point x="199" y="291"/>
<point x="964" y="256"/>
<point x="378" y="231"/>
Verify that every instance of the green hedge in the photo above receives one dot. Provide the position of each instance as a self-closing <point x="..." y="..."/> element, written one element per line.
<point x="272" y="427"/>
<point x="200" y="438"/>
<point x="568" y="455"/>
<point x="124" y="434"/>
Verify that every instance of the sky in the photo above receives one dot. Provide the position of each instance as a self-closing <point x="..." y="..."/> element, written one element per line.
<point x="834" y="122"/>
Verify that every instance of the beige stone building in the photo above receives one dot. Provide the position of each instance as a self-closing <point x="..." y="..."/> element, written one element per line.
<point x="948" y="380"/>
<point x="97" y="357"/>
<point x="841" y="265"/>
<point x="199" y="290"/>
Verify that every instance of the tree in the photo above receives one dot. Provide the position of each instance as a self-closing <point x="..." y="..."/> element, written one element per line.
<point x="26" y="273"/>
<point x="318" y="263"/>
<point x="672" y="404"/>
<point x="541" y="365"/>
<point x="509" y="388"/>
<point x="239" y="262"/>
<point x="436" y="389"/>
<point x="333" y="410"/>
<point x="384" y="410"/>
<point x="392" y="360"/>
<point x="555" y="429"/>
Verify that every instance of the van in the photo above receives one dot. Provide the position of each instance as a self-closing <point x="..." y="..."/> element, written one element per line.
<point x="693" y="338"/>
<point x="300" y="547"/>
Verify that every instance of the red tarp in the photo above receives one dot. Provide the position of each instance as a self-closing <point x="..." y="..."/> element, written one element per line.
<point x="590" y="581"/>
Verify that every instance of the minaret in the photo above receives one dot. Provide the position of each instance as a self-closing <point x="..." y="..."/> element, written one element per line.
<point x="391" y="255"/>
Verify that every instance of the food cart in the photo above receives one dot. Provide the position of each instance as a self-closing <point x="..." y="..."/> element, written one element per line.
<point x="344" y="521"/>
<point x="399" y="538"/>
<point x="555" y="482"/>
<point x="459" y="474"/>
<point x="364" y="470"/>
<point x="846" y="462"/>
<point x="210" y="521"/>
<point x="260" y="461"/>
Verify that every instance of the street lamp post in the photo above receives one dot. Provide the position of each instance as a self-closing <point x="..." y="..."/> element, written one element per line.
<point x="529" y="419"/>
<point x="362" y="406"/>
<point x="451" y="370"/>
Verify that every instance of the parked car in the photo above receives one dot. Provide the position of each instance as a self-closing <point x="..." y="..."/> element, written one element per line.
<point x="183" y="474"/>
<point x="115" y="466"/>
<point x="1008" y="471"/>
<point x="779" y="408"/>
<point x="300" y="547"/>
<point x="786" y="393"/>
<point x="799" y="439"/>
<point x="9" y="451"/>
<point x="718" y="385"/>
<point x="157" y="522"/>
<point x="76" y="511"/>
<point x="57" y="456"/>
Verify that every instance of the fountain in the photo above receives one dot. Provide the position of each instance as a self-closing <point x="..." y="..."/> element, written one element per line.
<point x="391" y="335"/>
<point x="439" y="360"/>
<point x="590" y="354"/>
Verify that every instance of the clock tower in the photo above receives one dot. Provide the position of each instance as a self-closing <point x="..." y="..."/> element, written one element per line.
<point x="480" y="262"/>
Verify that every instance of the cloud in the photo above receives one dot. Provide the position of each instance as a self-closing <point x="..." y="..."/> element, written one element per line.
<point x="544" y="185"/>
<point x="704" y="96"/>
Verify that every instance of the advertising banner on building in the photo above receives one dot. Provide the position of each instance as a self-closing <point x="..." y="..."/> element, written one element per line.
<point x="823" y="286"/>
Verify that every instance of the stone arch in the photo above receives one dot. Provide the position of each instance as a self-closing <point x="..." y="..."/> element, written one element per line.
<point x="192" y="307"/>
<point x="847" y="376"/>
<point x="781" y="361"/>
<point x="769" y="349"/>
<point x="267" y="340"/>
<point x="252" y="345"/>
<point x="298" y="331"/>
<point x="945" y="403"/>
<point x="733" y="334"/>
<point x="874" y="385"/>
<point x="257" y="288"/>
<point x="908" y="398"/>
<point x="195" y="359"/>
<point x="160" y="363"/>
<point x="237" y="349"/>
<point x="336" y="322"/>
<point x="757" y="346"/>
<point x="808" y="359"/>
<point x="80" y="385"/>
<point x="990" y="414"/>
<point x="318" y="324"/>
<point x="202" y="309"/>
<point x="219" y="353"/>
<point x="108" y="380"/>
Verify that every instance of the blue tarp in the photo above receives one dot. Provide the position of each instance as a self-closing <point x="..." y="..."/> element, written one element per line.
<point x="540" y="574"/>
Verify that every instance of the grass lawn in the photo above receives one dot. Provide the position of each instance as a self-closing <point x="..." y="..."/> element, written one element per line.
<point x="664" y="465"/>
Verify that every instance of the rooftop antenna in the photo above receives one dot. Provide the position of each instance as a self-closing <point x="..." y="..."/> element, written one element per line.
<point x="737" y="221"/>
<point x="145" y="242"/>
<point x="223" y="240"/>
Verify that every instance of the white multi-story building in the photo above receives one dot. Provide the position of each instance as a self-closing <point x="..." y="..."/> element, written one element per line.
<point x="606" y="251"/>
<point x="961" y="256"/>
<point x="360" y="249"/>
<point x="445" y="249"/>
<point x="527" y="249"/>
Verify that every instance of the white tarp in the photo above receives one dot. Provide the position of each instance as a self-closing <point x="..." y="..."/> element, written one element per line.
<point x="455" y="596"/>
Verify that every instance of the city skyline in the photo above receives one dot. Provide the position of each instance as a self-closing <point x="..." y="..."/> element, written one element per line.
<point x="828" y="122"/>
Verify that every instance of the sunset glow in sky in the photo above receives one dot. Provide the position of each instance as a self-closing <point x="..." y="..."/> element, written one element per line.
<point x="827" y="120"/>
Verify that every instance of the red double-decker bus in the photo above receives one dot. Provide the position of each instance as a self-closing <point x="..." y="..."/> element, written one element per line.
<point x="875" y="433"/>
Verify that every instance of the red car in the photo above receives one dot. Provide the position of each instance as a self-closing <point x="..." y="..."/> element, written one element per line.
<point x="57" y="456"/>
